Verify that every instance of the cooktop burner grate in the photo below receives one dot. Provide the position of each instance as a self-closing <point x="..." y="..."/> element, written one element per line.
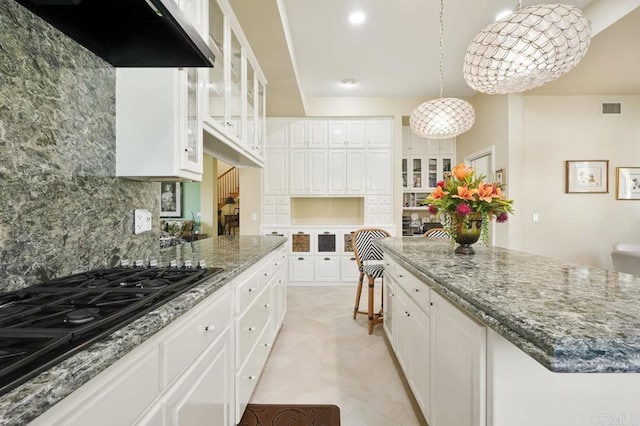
<point x="44" y="324"/>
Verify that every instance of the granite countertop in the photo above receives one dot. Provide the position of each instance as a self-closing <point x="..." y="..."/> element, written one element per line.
<point x="234" y="254"/>
<point x="571" y="318"/>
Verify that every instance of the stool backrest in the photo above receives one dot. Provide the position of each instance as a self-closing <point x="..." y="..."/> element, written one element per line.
<point x="363" y="246"/>
<point x="439" y="233"/>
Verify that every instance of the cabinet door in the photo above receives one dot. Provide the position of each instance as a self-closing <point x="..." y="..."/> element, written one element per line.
<point x="300" y="268"/>
<point x="327" y="268"/>
<point x="406" y="140"/>
<point x="203" y="396"/>
<point x="317" y="172"/>
<point x="276" y="172"/>
<point x="417" y="167"/>
<point x="337" y="134"/>
<point x="356" y="134"/>
<point x="379" y="180"/>
<point x="298" y="134"/>
<point x="356" y="171"/>
<point x="379" y="134"/>
<point x="402" y="331"/>
<point x="298" y="173"/>
<point x="389" y="309"/>
<point x="419" y="365"/>
<point x="190" y="121"/>
<point x="317" y="134"/>
<point x="349" y="270"/>
<point x="237" y="62"/>
<point x="337" y="171"/>
<point x="277" y="133"/>
<point x="215" y="101"/>
<point x="458" y="379"/>
<point x="418" y="144"/>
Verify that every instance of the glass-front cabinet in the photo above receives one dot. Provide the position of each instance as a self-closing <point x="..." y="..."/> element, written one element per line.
<point x="236" y="87"/>
<point x="216" y="81"/>
<point x="191" y="140"/>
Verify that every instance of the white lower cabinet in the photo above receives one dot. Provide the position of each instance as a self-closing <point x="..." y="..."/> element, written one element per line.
<point x="458" y="364"/>
<point x="301" y="268"/>
<point x="200" y="369"/>
<point x="327" y="268"/>
<point x="201" y="395"/>
<point x="349" y="271"/>
<point x="441" y="350"/>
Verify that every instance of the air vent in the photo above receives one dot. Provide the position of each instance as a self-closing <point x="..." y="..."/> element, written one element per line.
<point x="610" y="108"/>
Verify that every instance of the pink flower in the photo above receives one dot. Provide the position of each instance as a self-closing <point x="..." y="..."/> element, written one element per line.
<point x="502" y="217"/>
<point x="463" y="209"/>
<point x="440" y="183"/>
<point x="432" y="209"/>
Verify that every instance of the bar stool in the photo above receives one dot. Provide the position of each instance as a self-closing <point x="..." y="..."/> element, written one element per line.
<point x="369" y="260"/>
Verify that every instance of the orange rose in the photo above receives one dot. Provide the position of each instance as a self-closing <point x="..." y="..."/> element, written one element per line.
<point x="461" y="171"/>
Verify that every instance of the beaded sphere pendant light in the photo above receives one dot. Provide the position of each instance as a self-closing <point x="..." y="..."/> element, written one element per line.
<point x="444" y="117"/>
<point x="527" y="49"/>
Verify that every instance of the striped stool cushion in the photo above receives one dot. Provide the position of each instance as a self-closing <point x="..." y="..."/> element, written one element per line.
<point x="375" y="271"/>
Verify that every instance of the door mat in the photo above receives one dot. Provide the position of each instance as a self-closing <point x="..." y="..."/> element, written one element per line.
<point x="290" y="415"/>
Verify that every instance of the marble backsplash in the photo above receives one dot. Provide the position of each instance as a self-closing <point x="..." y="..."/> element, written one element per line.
<point x="62" y="208"/>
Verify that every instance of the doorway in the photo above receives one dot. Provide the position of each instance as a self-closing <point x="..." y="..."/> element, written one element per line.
<point x="484" y="164"/>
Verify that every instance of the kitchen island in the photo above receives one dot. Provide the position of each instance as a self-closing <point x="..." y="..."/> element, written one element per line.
<point x="237" y="255"/>
<point x="549" y="342"/>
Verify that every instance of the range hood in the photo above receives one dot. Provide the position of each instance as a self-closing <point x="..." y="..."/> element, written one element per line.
<point x="128" y="33"/>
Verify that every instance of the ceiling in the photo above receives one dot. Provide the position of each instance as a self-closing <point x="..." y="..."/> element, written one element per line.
<point x="307" y="47"/>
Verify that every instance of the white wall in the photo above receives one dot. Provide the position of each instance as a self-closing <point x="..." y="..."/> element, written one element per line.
<point x="577" y="227"/>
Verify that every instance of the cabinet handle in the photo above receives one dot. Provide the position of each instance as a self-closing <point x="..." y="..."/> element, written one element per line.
<point x="252" y="377"/>
<point x="326" y="258"/>
<point x="186" y="150"/>
<point x="301" y="258"/>
<point x="416" y="290"/>
<point x="267" y="345"/>
<point x="267" y="305"/>
<point x="407" y="313"/>
<point x="210" y="328"/>
<point x="393" y="294"/>
<point x="400" y="275"/>
<point x="251" y="329"/>
<point x="280" y="281"/>
<point x="431" y="303"/>
<point x="353" y="258"/>
<point x="251" y="290"/>
<point x="266" y="274"/>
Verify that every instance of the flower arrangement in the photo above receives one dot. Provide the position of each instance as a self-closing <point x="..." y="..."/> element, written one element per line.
<point x="463" y="194"/>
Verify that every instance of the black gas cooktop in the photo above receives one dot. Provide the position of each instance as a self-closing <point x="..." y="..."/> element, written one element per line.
<point x="43" y="324"/>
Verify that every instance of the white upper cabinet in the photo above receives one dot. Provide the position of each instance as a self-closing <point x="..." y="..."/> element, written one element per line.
<point x="346" y="134"/>
<point x="236" y="91"/>
<point x="379" y="179"/>
<point x="277" y="133"/>
<point x="308" y="172"/>
<point x="157" y="118"/>
<point x="347" y="171"/>
<point x="378" y="133"/>
<point x="308" y="134"/>
<point x="276" y="172"/>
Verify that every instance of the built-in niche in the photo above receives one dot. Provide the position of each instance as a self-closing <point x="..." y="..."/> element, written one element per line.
<point x="327" y="211"/>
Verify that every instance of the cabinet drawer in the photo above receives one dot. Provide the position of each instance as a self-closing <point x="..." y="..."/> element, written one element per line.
<point x="247" y="377"/>
<point x="301" y="268"/>
<point x="282" y="209"/>
<point x="327" y="268"/>
<point x="416" y="289"/>
<point x="247" y="292"/>
<point x="282" y="199"/>
<point x="269" y="199"/>
<point x="389" y="267"/>
<point x="179" y="349"/>
<point x="251" y="324"/>
<point x="269" y="208"/>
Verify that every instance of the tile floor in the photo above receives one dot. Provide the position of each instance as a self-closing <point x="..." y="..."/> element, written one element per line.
<point x="324" y="356"/>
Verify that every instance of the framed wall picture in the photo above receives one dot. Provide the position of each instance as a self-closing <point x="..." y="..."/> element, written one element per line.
<point x="628" y="183"/>
<point x="170" y="199"/>
<point x="590" y="176"/>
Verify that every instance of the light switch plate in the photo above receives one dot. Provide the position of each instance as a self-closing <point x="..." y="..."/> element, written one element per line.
<point x="141" y="221"/>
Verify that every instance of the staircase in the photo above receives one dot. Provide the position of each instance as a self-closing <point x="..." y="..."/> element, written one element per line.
<point x="228" y="186"/>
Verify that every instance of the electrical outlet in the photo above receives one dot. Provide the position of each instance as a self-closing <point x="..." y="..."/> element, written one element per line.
<point x="254" y="216"/>
<point x="141" y="221"/>
<point x="535" y="218"/>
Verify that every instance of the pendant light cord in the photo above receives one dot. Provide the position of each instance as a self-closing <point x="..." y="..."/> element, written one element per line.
<point x="441" y="46"/>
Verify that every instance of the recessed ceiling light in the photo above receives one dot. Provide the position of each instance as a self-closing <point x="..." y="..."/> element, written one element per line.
<point x="348" y="82"/>
<point x="356" y="18"/>
<point x="503" y="14"/>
